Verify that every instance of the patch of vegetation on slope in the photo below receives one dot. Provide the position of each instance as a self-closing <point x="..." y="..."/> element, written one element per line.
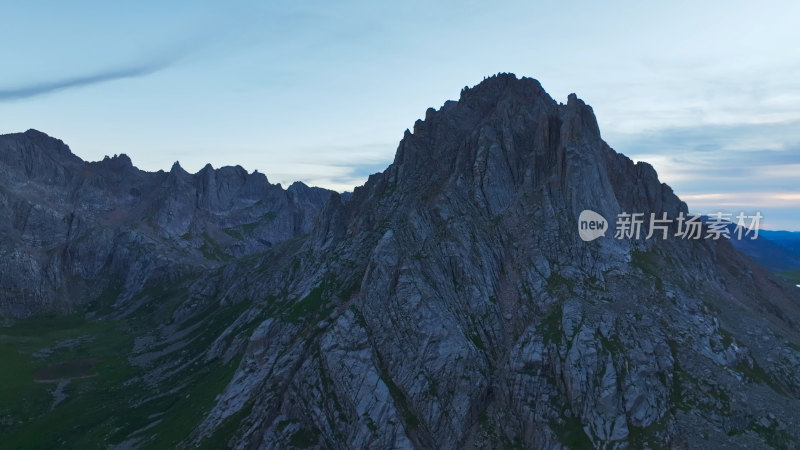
<point x="792" y="275"/>
<point x="110" y="401"/>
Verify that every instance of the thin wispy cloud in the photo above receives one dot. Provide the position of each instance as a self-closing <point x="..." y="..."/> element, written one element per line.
<point x="734" y="158"/>
<point x="51" y="86"/>
<point x="159" y="60"/>
<point x="733" y="167"/>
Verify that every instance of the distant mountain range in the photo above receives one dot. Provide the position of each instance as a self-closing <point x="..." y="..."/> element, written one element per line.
<point x="778" y="251"/>
<point x="787" y="239"/>
<point x="772" y="253"/>
<point x="786" y="259"/>
<point x="73" y="230"/>
<point x="447" y="303"/>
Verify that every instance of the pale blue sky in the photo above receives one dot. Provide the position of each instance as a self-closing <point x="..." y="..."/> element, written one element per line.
<point x="322" y="91"/>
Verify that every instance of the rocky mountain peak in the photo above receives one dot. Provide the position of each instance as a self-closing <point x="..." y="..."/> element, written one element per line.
<point x="177" y="169"/>
<point x="507" y="85"/>
<point x="468" y="261"/>
<point x="506" y="139"/>
<point x="447" y="303"/>
<point x="36" y="156"/>
<point x="117" y="163"/>
<point x="45" y="140"/>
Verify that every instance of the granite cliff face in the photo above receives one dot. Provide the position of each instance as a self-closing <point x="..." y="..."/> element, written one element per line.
<point x="447" y="303"/>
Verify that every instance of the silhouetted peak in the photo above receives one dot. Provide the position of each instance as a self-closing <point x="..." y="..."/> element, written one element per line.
<point x="177" y="170"/>
<point x="47" y="143"/>
<point x="503" y="84"/>
<point x="117" y="162"/>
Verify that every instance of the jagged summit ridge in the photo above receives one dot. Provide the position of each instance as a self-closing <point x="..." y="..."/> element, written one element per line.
<point x="94" y="225"/>
<point x="506" y="139"/>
